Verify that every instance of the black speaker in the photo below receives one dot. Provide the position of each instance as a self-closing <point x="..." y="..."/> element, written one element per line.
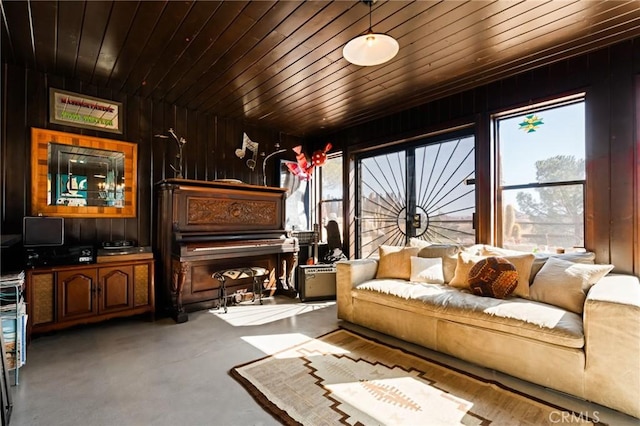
<point x="317" y="282"/>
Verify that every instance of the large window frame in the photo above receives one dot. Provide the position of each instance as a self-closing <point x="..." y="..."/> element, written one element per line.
<point x="412" y="220"/>
<point x="500" y="221"/>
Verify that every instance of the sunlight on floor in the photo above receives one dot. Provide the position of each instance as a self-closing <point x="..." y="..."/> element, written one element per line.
<point x="247" y="314"/>
<point x="285" y="345"/>
<point x="412" y="399"/>
<point x="272" y="343"/>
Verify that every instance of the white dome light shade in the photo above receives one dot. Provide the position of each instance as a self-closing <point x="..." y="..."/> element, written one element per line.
<point x="370" y="49"/>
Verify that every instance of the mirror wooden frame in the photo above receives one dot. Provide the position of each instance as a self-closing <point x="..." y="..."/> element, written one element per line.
<point x="40" y="139"/>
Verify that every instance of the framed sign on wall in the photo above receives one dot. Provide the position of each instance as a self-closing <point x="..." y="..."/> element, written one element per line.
<point x="74" y="109"/>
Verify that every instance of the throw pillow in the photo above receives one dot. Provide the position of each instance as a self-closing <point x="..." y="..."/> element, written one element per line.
<point x="565" y="284"/>
<point x="475" y="249"/>
<point x="588" y="257"/>
<point x="464" y="264"/>
<point x="426" y="270"/>
<point x="395" y="262"/>
<point x="448" y="254"/>
<point x="521" y="262"/>
<point x="488" y="250"/>
<point x="493" y="277"/>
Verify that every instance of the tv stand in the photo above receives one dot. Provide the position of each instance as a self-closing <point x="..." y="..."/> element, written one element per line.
<point x="63" y="296"/>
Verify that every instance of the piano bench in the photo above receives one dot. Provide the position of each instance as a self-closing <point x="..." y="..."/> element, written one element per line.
<point x="256" y="272"/>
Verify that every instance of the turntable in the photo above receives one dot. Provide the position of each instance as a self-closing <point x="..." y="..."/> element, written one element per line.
<point x="114" y="251"/>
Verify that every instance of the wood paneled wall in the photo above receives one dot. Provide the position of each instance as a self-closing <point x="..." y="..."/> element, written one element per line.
<point x="608" y="76"/>
<point x="209" y="153"/>
<point x="610" y="79"/>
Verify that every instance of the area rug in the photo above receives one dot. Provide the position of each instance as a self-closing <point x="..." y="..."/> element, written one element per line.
<point x="345" y="378"/>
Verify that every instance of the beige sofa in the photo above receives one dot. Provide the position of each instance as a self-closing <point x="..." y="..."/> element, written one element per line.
<point x="594" y="356"/>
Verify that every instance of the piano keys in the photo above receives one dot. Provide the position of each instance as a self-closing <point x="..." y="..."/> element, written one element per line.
<point x="231" y="249"/>
<point x="204" y="227"/>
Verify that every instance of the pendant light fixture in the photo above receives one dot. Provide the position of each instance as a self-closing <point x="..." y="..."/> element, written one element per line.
<point x="370" y="48"/>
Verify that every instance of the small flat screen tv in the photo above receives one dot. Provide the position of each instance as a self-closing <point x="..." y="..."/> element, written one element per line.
<point x="39" y="231"/>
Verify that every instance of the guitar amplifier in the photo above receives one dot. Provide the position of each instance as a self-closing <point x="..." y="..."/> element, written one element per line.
<point x="316" y="282"/>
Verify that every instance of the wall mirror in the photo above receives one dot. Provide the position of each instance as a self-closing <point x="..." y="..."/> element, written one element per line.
<point x="82" y="176"/>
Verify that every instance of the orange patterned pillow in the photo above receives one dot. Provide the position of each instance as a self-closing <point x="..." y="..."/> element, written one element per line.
<point x="522" y="263"/>
<point x="493" y="277"/>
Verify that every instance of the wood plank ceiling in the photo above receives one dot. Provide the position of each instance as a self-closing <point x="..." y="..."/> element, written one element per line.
<point x="279" y="64"/>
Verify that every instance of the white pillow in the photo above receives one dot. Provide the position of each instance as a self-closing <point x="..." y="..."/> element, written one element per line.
<point x="427" y="270"/>
<point x="565" y="284"/>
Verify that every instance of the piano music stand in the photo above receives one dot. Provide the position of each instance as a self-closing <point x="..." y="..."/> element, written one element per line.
<point x="255" y="272"/>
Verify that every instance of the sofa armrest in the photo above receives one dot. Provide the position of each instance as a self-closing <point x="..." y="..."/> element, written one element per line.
<point x="349" y="274"/>
<point x="612" y="343"/>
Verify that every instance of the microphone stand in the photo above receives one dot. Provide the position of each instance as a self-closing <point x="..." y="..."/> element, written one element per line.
<point x="177" y="172"/>
<point x="264" y="162"/>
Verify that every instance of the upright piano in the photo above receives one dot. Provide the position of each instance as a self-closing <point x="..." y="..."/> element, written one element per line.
<point x="205" y="227"/>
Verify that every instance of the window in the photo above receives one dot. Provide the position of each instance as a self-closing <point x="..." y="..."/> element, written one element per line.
<point x="317" y="201"/>
<point x="540" y="177"/>
<point x="330" y="194"/>
<point x="422" y="190"/>
<point x="297" y="204"/>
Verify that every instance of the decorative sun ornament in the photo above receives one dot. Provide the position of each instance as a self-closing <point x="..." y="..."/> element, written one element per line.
<point x="531" y="123"/>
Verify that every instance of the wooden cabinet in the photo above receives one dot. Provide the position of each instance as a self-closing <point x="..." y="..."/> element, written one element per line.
<point x="76" y="291"/>
<point x="64" y="296"/>
<point x="116" y="289"/>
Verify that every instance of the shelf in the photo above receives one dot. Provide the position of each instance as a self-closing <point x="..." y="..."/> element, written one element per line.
<point x="13" y="319"/>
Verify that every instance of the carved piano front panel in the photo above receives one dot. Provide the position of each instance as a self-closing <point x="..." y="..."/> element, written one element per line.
<point x="216" y="209"/>
<point x="223" y="212"/>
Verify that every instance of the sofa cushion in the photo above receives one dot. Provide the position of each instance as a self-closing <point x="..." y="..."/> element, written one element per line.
<point x="395" y="262"/>
<point x="417" y="242"/>
<point x="426" y="270"/>
<point x="493" y="277"/>
<point x="517" y="316"/>
<point x="565" y="284"/>
<point x="447" y="252"/>
<point x="587" y="258"/>
<point x="488" y="250"/>
<point x="521" y="262"/>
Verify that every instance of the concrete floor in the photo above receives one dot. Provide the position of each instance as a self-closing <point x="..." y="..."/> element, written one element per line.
<point x="136" y="372"/>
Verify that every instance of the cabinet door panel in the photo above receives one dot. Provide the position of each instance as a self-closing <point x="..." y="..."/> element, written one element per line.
<point x="77" y="290"/>
<point x="143" y="285"/>
<point x="41" y="298"/>
<point x="116" y="288"/>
